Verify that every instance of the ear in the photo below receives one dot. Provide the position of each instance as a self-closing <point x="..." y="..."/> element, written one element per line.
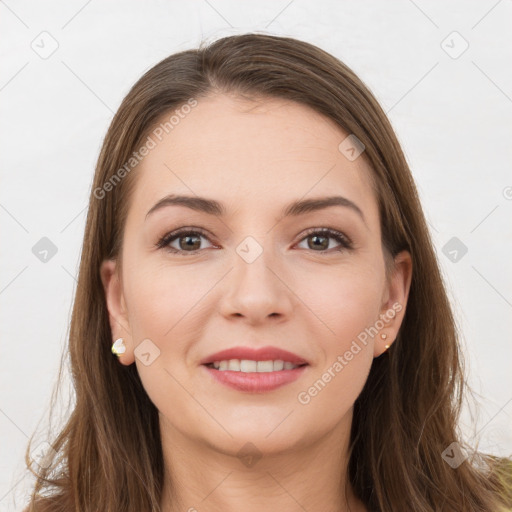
<point x="116" y="305"/>
<point x="394" y="302"/>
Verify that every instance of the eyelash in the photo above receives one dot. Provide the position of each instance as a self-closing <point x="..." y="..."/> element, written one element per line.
<point x="346" y="243"/>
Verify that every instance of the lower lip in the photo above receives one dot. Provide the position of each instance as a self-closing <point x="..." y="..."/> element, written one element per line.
<point x="256" y="382"/>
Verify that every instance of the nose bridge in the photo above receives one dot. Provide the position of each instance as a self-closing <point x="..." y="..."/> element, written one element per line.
<point x="256" y="290"/>
<point x="254" y="261"/>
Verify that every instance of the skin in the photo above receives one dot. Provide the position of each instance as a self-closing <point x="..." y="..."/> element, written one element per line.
<point x="255" y="157"/>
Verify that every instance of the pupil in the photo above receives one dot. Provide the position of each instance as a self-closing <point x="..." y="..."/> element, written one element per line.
<point x="191" y="245"/>
<point x="323" y="246"/>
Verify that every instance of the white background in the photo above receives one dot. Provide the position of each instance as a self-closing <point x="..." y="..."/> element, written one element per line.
<point x="452" y="116"/>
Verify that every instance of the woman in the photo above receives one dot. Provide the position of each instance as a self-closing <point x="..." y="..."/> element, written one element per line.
<point x="257" y="259"/>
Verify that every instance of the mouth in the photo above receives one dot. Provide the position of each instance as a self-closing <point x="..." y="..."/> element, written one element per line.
<point x="254" y="370"/>
<point x="251" y="366"/>
<point x="247" y="356"/>
<point x="251" y="376"/>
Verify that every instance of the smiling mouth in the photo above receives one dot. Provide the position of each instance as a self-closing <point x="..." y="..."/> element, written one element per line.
<point x="252" y="376"/>
<point x="251" y="366"/>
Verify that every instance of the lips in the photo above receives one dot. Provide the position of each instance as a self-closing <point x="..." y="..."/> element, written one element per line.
<point x="261" y="354"/>
<point x="254" y="382"/>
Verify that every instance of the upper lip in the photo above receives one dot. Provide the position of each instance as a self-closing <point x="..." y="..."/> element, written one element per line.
<point x="255" y="354"/>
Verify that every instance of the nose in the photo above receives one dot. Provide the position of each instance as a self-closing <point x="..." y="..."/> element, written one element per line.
<point x="257" y="290"/>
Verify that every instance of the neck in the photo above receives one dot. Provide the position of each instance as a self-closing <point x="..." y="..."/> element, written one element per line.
<point x="312" y="477"/>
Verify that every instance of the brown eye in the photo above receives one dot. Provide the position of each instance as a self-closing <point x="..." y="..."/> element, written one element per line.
<point x="319" y="239"/>
<point x="189" y="242"/>
<point x="185" y="241"/>
<point x="318" y="242"/>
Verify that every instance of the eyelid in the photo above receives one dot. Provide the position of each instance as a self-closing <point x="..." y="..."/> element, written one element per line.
<point x="172" y="235"/>
<point x="333" y="233"/>
<point x="344" y="240"/>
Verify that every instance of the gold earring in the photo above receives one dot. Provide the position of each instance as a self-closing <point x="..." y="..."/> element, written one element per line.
<point x="384" y="336"/>
<point x="118" y="347"/>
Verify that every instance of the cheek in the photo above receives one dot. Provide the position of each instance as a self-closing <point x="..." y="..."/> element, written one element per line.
<point x="164" y="305"/>
<point x="345" y="301"/>
<point x="331" y="392"/>
<point x="161" y="298"/>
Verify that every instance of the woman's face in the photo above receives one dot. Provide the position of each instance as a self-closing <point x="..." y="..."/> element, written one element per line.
<point x="256" y="275"/>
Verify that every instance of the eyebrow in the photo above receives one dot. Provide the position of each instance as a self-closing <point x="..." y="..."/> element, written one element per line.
<point x="296" y="208"/>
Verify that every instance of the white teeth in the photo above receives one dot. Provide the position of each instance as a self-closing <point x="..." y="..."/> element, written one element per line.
<point x="249" y="366"/>
<point x="278" y="365"/>
<point x="265" y="366"/>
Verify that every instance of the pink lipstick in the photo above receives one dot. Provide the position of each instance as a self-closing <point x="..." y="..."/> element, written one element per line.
<point x="254" y="370"/>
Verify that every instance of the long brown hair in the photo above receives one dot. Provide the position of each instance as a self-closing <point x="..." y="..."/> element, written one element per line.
<point x="108" y="456"/>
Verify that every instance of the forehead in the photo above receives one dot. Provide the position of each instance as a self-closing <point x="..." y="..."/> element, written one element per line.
<point x="251" y="153"/>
